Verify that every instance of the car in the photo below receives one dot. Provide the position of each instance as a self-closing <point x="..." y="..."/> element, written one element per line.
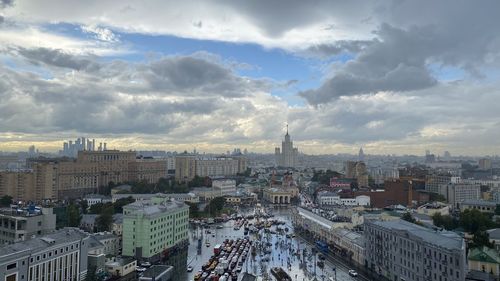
<point x="207" y="244"/>
<point x="145" y="264"/>
<point x="140" y="269"/>
<point x="213" y="235"/>
<point x="189" y="269"/>
<point x="353" y="272"/>
<point x="219" y="227"/>
<point x="321" y="257"/>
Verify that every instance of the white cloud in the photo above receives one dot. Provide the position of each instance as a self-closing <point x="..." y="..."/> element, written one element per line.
<point x="101" y="33"/>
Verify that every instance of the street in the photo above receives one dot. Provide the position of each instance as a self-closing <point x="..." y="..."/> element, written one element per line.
<point x="273" y="250"/>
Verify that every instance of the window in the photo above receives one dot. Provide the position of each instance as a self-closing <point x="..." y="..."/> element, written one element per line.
<point x="11" y="266"/>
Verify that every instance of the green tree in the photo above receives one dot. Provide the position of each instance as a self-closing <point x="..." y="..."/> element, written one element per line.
<point x="194" y="210"/>
<point x="197" y="181"/>
<point x="481" y="238"/>
<point x="74" y="216"/>
<point x="215" y="206"/>
<point x="474" y="220"/>
<point x="99" y="207"/>
<point x="105" y="219"/>
<point x="436" y="197"/>
<point x="5" y="201"/>
<point x="118" y="205"/>
<point x="408" y="217"/>
<point x="91" y="274"/>
<point x="497" y="209"/>
<point x="85" y="206"/>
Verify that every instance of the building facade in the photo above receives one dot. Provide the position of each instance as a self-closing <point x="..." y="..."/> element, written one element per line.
<point x="455" y="193"/>
<point x="226" y="186"/>
<point x="61" y="255"/>
<point x="152" y="227"/>
<point x="66" y="178"/>
<point x="288" y="155"/>
<point x="22" y="224"/>
<point x="400" y="250"/>
<point x="188" y="166"/>
<point x="432" y="182"/>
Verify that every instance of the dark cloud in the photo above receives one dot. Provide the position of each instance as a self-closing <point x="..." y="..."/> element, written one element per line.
<point x="6" y="3"/>
<point x="336" y="48"/>
<point x="58" y="58"/>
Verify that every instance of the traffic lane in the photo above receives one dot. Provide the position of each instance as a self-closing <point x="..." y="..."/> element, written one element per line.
<point x="227" y="232"/>
<point x="341" y="267"/>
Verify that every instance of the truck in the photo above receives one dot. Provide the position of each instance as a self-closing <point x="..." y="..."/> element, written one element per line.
<point x="217" y="249"/>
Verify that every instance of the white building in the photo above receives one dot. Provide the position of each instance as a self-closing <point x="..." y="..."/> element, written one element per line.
<point x="226" y="186"/>
<point x="93" y="199"/>
<point x="287" y="157"/>
<point x="332" y="198"/>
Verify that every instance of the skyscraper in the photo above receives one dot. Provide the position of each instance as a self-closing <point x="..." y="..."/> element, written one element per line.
<point x="361" y="155"/>
<point x="287" y="157"/>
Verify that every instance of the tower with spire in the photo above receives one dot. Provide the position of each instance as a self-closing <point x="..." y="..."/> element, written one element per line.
<point x="361" y="155"/>
<point x="287" y="156"/>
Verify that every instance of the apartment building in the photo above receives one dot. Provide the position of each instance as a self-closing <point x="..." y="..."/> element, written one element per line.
<point x="22" y="224"/>
<point x="432" y="182"/>
<point x="61" y="255"/>
<point x="456" y="193"/>
<point x="152" y="226"/>
<point x="188" y="166"/>
<point x="400" y="250"/>
<point x="65" y="178"/>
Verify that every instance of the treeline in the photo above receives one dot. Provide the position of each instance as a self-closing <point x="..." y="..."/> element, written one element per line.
<point x="472" y="221"/>
<point x="162" y="186"/>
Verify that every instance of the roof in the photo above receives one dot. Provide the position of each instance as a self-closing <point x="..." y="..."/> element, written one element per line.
<point x="104" y="235"/>
<point x="445" y="239"/>
<point x="484" y="254"/>
<point x="96" y="196"/>
<point x="94" y="243"/>
<point x="478" y="202"/>
<point x="156" y="271"/>
<point x="316" y="218"/>
<point x="150" y="209"/>
<point x="494" y="233"/>
<point x="65" y="235"/>
<point x="88" y="219"/>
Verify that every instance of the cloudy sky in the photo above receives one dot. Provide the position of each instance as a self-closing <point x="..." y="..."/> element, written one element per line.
<point x="391" y="76"/>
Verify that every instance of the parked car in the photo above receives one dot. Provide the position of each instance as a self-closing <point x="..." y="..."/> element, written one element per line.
<point x="353" y="272"/>
<point x="189" y="269"/>
<point x="145" y="264"/>
<point x="140" y="269"/>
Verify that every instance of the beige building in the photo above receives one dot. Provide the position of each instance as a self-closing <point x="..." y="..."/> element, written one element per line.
<point x="188" y="166"/>
<point x="280" y="195"/>
<point x="72" y="178"/>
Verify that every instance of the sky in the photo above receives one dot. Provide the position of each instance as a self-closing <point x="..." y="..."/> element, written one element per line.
<point x="393" y="77"/>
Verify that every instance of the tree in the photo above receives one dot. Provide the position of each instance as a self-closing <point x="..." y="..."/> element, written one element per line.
<point x="408" y="217"/>
<point x="194" y="210"/>
<point x="98" y="207"/>
<point x="74" y="216"/>
<point x="436" y="197"/>
<point x="474" y="220"/>
<point x="497" y="209"/>
<point x="197" y="181"/>
<point x="85" y="206"/>
<point x="118" y="205"/>
<point x="481" y="238"/>
<point x="105" y="219"/>
<point x="5" y="201"/>
<point x="215" y="206"/>
<point x="91" y="273"/>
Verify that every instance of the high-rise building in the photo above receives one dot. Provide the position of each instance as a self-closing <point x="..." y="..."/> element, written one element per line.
<point x="288" y="155"/>
<point x="361" y="155"/>
<point x="151" y="227"/>
<point x="67" y="178"/>
<point x="400" y="250"/>
<point x="432" y="182"/>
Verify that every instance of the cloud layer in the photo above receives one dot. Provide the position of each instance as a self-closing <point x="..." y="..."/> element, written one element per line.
<point x="417" y="75"/>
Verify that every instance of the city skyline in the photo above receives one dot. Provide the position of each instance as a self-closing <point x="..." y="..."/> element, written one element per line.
<point x="392" y="77"/>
